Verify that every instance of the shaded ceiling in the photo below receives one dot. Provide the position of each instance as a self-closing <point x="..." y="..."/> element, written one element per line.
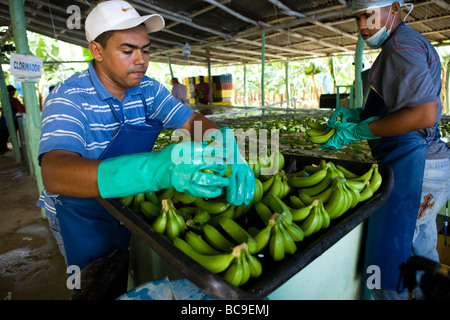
<point x="230" y="31"/>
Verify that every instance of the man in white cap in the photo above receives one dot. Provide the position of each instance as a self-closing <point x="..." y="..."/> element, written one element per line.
<point x="98" y="130"/>
<point x="400" y="120"/>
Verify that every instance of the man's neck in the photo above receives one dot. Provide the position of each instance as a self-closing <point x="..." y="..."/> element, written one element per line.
<point x="109" y="84"/>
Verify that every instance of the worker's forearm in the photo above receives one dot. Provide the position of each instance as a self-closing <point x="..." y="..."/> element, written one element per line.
<point x="69" y="174"/>
<point x="198" y="119"/>
<point x="405" y="120"/>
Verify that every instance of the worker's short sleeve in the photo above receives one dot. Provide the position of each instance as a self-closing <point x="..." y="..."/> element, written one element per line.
<point x="63" y="126"/>
<point x="166" y="108"/>
<point x="407" y="79"/>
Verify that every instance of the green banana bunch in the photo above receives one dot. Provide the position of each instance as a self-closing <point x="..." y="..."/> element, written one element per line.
<point x="216" y="239"/>
<point x="339" y="201"/>
<point x="315" y="219"/>
<point x="320" y="136"/>
<point x="316" y="125"/>
<point x="347" y="173"/>
<point x="237" y="233"/>
<point x="213" y="263"/>
<point x="376" y="179"/>
<point x="311" y="180"/>
<point x="175" y="223"/>
<point x="212" y="206"/>
<point x="254" y="264"/>
<point x="289" y="244"/>
<point x="353" y="194"/>
<point x="160" y="223"/>
<point x="243" y="267"/>
<point x="199" y="244"/>
<point x="150" y="210"/>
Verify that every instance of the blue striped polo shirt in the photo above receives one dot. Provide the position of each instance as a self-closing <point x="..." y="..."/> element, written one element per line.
<point x="77" y="116"/>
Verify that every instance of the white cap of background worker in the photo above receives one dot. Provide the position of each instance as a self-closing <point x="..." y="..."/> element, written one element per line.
<point x="118" y="15"/>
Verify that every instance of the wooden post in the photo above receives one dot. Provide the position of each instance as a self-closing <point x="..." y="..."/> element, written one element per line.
<point x="263" y="47"/>
<point x="33" y="116"/>
<point x="357" y="102"/>
<point x="286" y="69"/>
<point x="245" y="86"/>
<point x="210" y="84"/>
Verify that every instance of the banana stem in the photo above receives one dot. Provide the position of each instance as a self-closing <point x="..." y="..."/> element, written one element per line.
<point x="237" y="250"/>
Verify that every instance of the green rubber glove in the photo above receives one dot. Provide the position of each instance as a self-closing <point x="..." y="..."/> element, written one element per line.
<point x="241" y="187"/>
<point x="346" y="115"/>
<point x="178" y="165"/>
<point x="349" y="132"/>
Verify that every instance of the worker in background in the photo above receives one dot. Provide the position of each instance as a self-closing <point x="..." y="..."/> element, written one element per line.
<point x="98" y="130"/>
<point x="201" y="91"/>
<point x="179" y="91"/>
<point x="400" y="121"/>
<point x="18" y="109"/>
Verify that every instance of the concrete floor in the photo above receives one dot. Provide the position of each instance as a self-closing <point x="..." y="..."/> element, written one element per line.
<point x="31" y="266"/>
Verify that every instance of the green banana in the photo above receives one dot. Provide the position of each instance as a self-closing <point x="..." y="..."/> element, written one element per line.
<point x="310" y="169"/>
<point x="339" y="202"/>
<point x="245" y="267"/>
<point x="355" y="196"/>
<point x="376" y="179"/>
<point x="366" y="193"/>
<point x="234" y="273"/>
<point x="315" y="125"/>
<point x="301" y="173"/>
<point x="254" y="264"/>
<point x="257" y="196"/>
<point x="365" y="176"/>
<point x="201" y="216"/>
<point x="268" y="184"/>
<point x="263" y="237"/>
<point x="355" y="185"/>
<point x="313" y="179"/>
<point x="196" y="242"/>
<point x="319" y="187"/>
<point x="276" y="244"/>
<point x="302" y="213"/>
<point x="296" y="203"/>
<point x="322" y="138"/>
<point x="289" y="245"/>
<point x="239" y="234"/>
<point x="150" y="210"/>
<point x="294" y="230"/>
<point x="326" y="194"/>
<point x="138" y="198"/>
<point x="183" y="197"/>
<point x="165" y="194"/>
<point x="213" y="263"/>
<point x="309" y="225"/>
<point x="320" y="215"/>
<point x="263" y="211"/>
<point x="151" y="196"/>
<point x="239" y="211"/>
<point x="160" y="223"/>
<point x="277" y="205"/>
<point x="216" y="239"/>
<point x="126" y="201"/>
<point x="286" y="187"/>
<point x="326" y="217"/>
<point x="229" y="213"/>
<point x="347" y="173"/>
<point x="212" y="206"/>
<point x="305" y="198"/>
<point x="175" y="224"/>
<point x="316" y="132"/>
<point x="277" y="186"/>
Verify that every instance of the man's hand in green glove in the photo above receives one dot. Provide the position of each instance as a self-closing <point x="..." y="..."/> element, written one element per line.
<point x="349" y="132"/>
<point x="178" y="165"/>
<point x="241" y="188"/>
<point x="345" y="114"/>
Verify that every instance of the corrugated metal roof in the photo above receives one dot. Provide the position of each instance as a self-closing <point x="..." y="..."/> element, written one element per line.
<point x="231" y="29"/>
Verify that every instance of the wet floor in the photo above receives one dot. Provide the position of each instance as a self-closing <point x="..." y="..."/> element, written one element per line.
<point x="31" y="266"/>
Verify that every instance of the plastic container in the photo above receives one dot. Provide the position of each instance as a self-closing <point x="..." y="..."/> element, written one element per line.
<point x="274" y="273"/>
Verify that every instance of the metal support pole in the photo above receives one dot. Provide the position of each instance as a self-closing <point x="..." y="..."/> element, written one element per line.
<point x="33" y="116"/>
<point x="170" y="66"/>
<point x="358" y="89"/>
<point x="7" y="111"/>
<point x="263" y="48"/>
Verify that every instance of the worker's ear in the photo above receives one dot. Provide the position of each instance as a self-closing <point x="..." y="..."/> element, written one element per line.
<point x="96" y="50"/>
<point x="395" y="8"/>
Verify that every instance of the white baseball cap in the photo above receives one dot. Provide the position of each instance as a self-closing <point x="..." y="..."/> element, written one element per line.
<point x="118" y="15"/>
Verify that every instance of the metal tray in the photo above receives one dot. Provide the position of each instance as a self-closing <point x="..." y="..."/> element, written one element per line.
<point x="274" y="274"/>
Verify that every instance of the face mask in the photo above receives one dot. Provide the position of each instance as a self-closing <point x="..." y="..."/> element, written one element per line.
<point x="378" y="38"/>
